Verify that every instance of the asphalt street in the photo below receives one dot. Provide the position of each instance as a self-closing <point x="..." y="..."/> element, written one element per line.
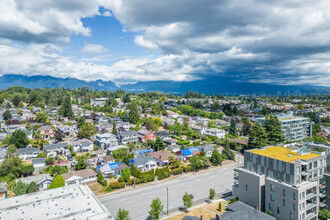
<point x="137" y="201"/>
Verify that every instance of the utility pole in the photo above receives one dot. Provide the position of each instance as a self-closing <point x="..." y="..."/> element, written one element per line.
<point x="167" y="199"/>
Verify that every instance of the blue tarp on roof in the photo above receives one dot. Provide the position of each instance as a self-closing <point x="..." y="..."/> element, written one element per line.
<point x="112" y="166"/>
<point x="190" y="151"/>
<point x="145" y="151"/>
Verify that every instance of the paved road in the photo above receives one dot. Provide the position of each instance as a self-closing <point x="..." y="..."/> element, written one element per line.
<point x="138" y="201"/>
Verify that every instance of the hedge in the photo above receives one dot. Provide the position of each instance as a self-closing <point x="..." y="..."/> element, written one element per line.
<point x="177" y="171"/>
<point x="162" y="173"/>
<point x="188" y="168"/>
<point x="116" y="185"/>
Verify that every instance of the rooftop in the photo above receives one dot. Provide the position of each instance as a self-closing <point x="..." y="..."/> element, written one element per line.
<point x="283" y="153"/>
<point x="69" y="202"/>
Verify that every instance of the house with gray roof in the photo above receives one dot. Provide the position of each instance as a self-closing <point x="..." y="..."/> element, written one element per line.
<point x="83" y="145"/>
<point x="106" y="140"/>
<point x="39" y="164"/>
<point x="28" y="153"/>
<point x="42" y="180"/>
<point x="127" y="136"/>
<point x="145" y="163"/>
<point x="55" y="149"/>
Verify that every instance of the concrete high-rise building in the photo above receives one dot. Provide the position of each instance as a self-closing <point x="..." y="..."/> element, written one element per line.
<point x="294" y="128"/>
<point x="287" y="181"/>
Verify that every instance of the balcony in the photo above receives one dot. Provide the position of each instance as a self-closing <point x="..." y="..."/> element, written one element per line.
<point x="322" y="186"/>
<point x="322" y="195"/>
<point x="310" y="206"/>
<point x="310" y="196"/>
<point x="322" y="204"/>
<point x="311" y="215"/>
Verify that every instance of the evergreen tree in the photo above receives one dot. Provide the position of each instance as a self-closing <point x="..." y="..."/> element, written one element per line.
<point x="81" y="121"/>
<point x="158" y="144"/>
<point x="19" y="139"/>
<point x="187" y="200"/>
<point x="81" y="164"/>
<point x="6" y="115"/>
<point x="258" y="136"/>
<point x="20" y="188"/>
<point x="16" y="100"/>
<point x="66" y="108"/>
<point x="126" y="117"/>
<point x="32" y="187"/>
<point x="133" y="114"/>
<point x="126" y="99"/>
<point x="123" y="215"/>
<point x="86" y="131"/>
<point x="273" y="130"/>
<point x="232" y="128"/>
<point x="114" y="128"/>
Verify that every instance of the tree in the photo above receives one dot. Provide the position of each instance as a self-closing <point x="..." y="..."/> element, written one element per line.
<point x="126" y="174"/>
<point x="100" y="179"/>
<point x="246" y="128"/>
<point x="156" y="208"/>
<point x="114" y="128"/>
<point x="81" y="121"/>
<point x="174" y="163"/>
<point x="216" y="157"/>
<point x="232" y="128"/>
<point x="56" y="170"/>
<point x="187" y="200"/>
<point x="41" y="118"/>
<point x="126" y="117"/>
<point x="66" y="108"/>
<point x="28" y="170"/>
<point x="86" y="131"/>
<point x="158" y="144"/>
<point x="212" y="124"/>
<point x="16" y="100"/>
<point x="133" y="114"/>
<point x="11" y="150"/>
<point x="20" y="188"/>
<point x="257" y="137"/>
<point x="126" y="98"/>
<point x="245" y="120"/>
<point x="49" y="160"/>
<point x="220" y="207"/>
<point x="266" y="110"/>
<point x="324" y="214"/>
<point x="227" y="153"/>
<point x="81" y="164"/>
<point x="19" y="139"/>
<point x="123" y="215"/>
<point x="11" y="167"/>
<point x="316" y="128"/>
<point x="212" y="193"/>
<point x="6" y="115"/>
<point x="273" y="130"/>
<point x="32" y="187"/>
<point x="58" y="181"/>
<point x="59" y="136"/>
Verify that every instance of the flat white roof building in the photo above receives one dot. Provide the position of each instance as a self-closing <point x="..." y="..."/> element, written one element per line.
<point x="72" y="202"/>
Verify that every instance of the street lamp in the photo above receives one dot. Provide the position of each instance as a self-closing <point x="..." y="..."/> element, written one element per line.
<point x="167" y="198"/>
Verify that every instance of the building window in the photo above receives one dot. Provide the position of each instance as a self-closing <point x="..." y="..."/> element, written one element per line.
<point x="246" y="187"/>
<point x="283" y="202"/>
<point x="303" y="195"/>
<point x="298" y="180"/>
<point x="297" y="170"/>
<point x="310" y="175"/>
<point x="294" y="196"/>
<point x="270" y="205"/>
<point x="315" y="164"/>
<point x="315" y="173"/>
<point x="294" y="206"/>
<point x="303" y="205"/>
<point x="278" y="210"/>
<point x="303" y="216"/>
<point x="321" y="162"/>
<point x="310" y="166"/>
<point x="272" y="198"/>
<point x="283" y="192"/>
<point x="321" y="173"/>
<point x="272" y="187"/>
<point x="291" y="217"/>
<point x="283" y="167"/>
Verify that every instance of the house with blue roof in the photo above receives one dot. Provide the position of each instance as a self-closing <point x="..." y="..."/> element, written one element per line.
<point x="189" y="152"/>
<point x="111" y="169"/>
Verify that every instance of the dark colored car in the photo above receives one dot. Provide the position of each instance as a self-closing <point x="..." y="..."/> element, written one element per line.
<point x="191" y="196"/>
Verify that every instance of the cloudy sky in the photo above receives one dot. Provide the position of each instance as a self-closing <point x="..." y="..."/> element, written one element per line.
<point x="276" y="42"/>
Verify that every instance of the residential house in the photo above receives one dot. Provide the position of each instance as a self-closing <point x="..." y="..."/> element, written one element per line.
<point x="163" y="156"/>
<point x="163" y="135"/>
<point x="144" y="163"/>
<point x="83" y="145"/>
<point x="122" y="126"/>
<point x="103" y="128"/>
<point x="28" y="153"/>
<point x="47" y="132"/>
<point x="3" y="190"/>
<point x="115" y="147"/>
<point x="111" y="169"/>
<point x="219" y="133"/>
<point x="106" y="140"/>
<point x="79" y="176"/>
<point x="145" y="135"/>
<point x="127" y="136"/>
<point x="39" y="164"/>
<point x="55" y="149"/>
<point x="174" y="148"/>
<point x="101" y="119"/>
<point x="68" y="130"/>
<point x="42" y="180"/>
<point x="189" y="152"/>
<point x="208" y="149"/>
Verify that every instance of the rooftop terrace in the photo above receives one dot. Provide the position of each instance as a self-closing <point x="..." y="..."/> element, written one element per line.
<point x="283" y="153"/>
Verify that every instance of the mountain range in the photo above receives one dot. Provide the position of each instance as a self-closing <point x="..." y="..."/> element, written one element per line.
<point x="211" y="85"/>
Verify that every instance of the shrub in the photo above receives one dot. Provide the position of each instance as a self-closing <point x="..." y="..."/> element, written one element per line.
<point x="220" y="207"/>
<point x="121" y="179"/>
<point x="232" y="200"/>
<point x="162" y="173"/>
<point x="116" y="185"/>
<point x="177" y="171"/>
<point x="188" y="168"/>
